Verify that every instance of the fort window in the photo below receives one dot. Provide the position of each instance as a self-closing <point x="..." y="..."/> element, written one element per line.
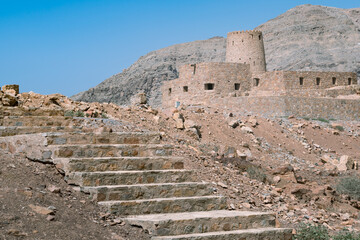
<point x="194" y="68"/>
<point x="254" y="63"/>
<point x="301" y="80"/>
<point x="169" y="91"/>
<point x="256" y="82"/>
<point x="237" y="86"/>
<point x="317" y="81"/>
<point x="185" y="88"/>
<point x="233" y="43"/>
<point x="259" y="37"/>
<point x="209" y="86"/>
<point x="349" y="81"/>
<point x="334" y="80"/>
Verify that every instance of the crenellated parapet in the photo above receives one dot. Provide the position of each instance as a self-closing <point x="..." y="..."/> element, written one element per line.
<point x="245" y="32"/>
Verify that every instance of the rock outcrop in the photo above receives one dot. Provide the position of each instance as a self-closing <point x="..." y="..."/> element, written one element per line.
<point x="306" y="37"/>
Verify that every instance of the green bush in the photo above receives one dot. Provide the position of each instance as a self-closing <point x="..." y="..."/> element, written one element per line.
<point x="69" y="113"/>
<point x="345" y="234"/>
<point x="319" y="232"/>
<point x="321" y="120"/>
<point x="95" y="115"/>
<point x="79" y="114"/>
<point x="311" y="232"/>
<point x="340" y="128"/>
<point x="350" y="186"/>
<point x="257" y="173"/>
<point x="306" y="118"/>
<point x="103" y="115"/>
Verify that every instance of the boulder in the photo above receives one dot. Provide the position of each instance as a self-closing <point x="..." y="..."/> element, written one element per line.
<point x="345" y="163"/>
<point x="139" y="98"/>
<point x="247" y="130"/>
<point x="180" y="123"/>
<point x="253" y="121"/>
<point x="9" y="99"/>
<point x="12" y="89"/>
<point x="234" y="123"/>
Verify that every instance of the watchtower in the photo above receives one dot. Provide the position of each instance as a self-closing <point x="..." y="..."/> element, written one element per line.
<point x="246" y="47"/>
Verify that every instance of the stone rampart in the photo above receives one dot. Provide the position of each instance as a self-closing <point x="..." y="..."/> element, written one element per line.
<point x="291" y="80"/>
<point x="279" y="106"/>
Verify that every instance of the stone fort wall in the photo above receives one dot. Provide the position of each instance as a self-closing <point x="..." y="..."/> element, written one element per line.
<point x="205" y="81"/>
<point x="278" y="93"/>
<point x="242" y="84"/>
<point x="280" y="106"/>
<point x="303" y="83"/>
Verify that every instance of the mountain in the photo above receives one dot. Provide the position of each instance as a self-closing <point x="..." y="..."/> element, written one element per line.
<point x="306" y="37"/>
<point x="316" y="38"/>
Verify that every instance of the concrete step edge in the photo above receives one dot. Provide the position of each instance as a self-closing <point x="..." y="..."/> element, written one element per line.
<point x="120" y="158"/>
<point x="225" y="233"/>
<point x="109" y="203"/>
<point x="134" y="171"/>
<point x="145" y="185"/>
<point x="156" y="218"/>
<point x="112" y="145"/>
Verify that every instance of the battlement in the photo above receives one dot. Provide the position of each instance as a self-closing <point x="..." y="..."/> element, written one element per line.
<point x="244" y="32"/>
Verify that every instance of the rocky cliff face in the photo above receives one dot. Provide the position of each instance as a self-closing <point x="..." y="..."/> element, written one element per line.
<point x="306" y="37"/>
<point x="315" y="38"/>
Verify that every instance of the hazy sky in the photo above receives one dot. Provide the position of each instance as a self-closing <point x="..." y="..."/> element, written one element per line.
<point x="59" y="46"/>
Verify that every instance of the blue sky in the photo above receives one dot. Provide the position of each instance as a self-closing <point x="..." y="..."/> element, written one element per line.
<point x="60" y="46"/>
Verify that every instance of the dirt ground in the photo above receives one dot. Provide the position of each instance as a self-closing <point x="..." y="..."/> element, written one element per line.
<point x="26" y="198"/>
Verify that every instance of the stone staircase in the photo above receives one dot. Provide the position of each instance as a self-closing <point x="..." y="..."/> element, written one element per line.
<point x="134" y="176"/>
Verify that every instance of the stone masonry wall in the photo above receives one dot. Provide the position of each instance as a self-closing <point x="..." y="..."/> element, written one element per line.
<point x="278" y="81"/>
<point x="194" y="80"/>
<point x="325" y="79"/>
<point x="277" y="106"/>
<point x="246" y="47"/>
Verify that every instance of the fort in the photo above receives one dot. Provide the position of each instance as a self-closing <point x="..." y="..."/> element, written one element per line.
<point x="242" y="84"/>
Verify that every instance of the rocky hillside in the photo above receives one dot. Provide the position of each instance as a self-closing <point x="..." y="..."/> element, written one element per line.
<point x="306" y="37"/>
<point x="311" y="37"/>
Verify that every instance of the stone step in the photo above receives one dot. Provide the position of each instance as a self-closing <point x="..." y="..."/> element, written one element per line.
<point x="165" y="205"/>
<point x="11" y="131"/>
<point x="123" y="163"/>
<point x="148" y="191"/>
<point x="111" y="150"/>
<point x="201" y="222"/>
<point x="246" y="234"/>
<point x="40" y="121"/>
<point x="104" y="138"/>
<point x="19" y="111"/>
<point x="90" y="179"/>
